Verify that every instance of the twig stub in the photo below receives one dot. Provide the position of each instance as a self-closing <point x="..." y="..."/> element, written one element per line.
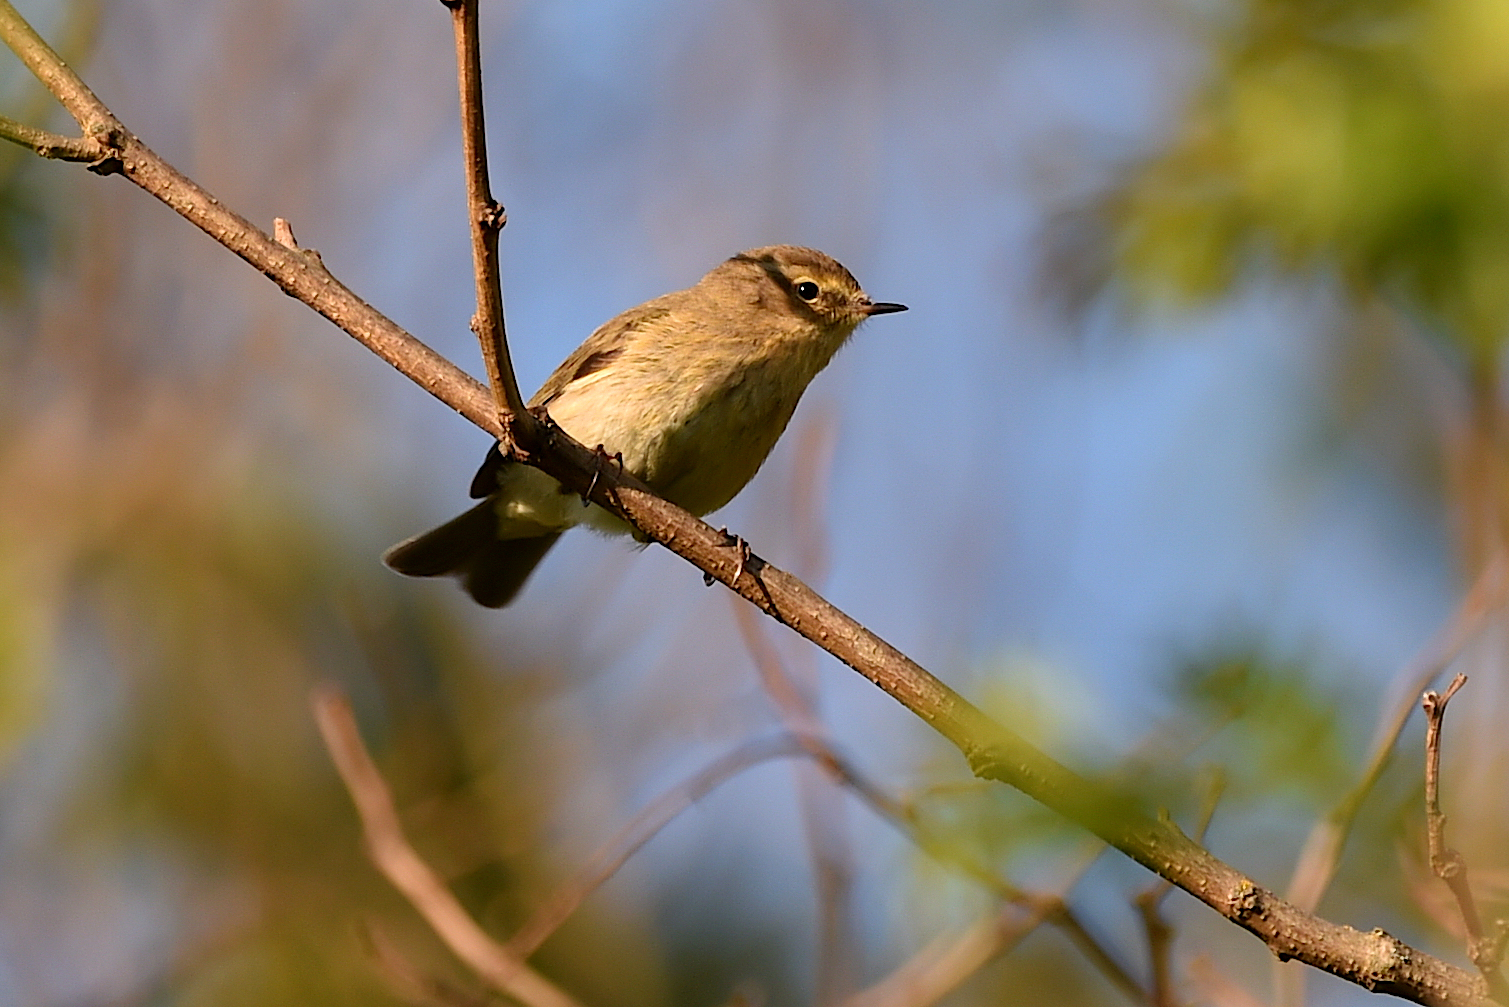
<point x="493" y="216"/>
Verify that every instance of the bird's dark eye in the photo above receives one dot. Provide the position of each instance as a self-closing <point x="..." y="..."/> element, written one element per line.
<point x="807" y="290"/>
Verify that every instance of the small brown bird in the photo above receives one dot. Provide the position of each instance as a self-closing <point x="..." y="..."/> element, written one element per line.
<point x="691" y="389"/>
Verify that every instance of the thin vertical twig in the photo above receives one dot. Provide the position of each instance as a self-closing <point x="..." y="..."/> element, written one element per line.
<point x="1445" y="861"/>
<point x="1321" y="854"/>
<point x="487" y="218"/>
<point x="1486" y="950"/>
<point x="46" y="144"/>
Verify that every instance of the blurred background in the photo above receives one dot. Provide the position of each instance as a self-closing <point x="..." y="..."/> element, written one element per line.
<point x="1191" y="441"/>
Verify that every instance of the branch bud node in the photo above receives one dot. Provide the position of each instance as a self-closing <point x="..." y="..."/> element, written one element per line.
<point x="493" y="217"/>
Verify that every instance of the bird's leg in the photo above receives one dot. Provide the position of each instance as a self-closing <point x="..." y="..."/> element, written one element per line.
<point x="744" y="554"/>
<point x="738" y="542"/>
<point x="602" y="456"/>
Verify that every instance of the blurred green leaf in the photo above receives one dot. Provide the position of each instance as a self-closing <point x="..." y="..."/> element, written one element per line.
<point x="1268" y="721"/>
<point x="1370" y="139"/>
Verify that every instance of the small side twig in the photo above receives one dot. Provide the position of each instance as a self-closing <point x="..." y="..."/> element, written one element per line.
<point x="1486" y="950"/>
<point x="53" y="145"/>
<point x="416" y="880"/>
<point x="282" y="233"/>
<point x="1321" y="853"/>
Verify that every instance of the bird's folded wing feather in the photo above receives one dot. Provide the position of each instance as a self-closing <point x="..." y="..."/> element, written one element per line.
<point x="600" y="349"/>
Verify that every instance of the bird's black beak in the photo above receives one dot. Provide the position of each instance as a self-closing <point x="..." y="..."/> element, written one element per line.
<point x="883" y="308"/>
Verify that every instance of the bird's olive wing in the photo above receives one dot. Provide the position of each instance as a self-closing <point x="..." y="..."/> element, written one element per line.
<point x="600" y="349"/>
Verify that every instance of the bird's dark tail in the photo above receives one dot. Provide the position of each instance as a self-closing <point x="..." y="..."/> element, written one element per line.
<point x="467" y="547"/>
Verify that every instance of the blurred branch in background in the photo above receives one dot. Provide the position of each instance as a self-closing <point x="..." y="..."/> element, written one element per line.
<point x="904" y="815"/>
<point x="935" y="970"/>
<point x="565" y="900"/>
<point x="425" y="890"/>
<point x="1217" y="987"/>
<point x="947" y="961"/>
<point x="795" y="694"/>
<point x="1148" y="902"/>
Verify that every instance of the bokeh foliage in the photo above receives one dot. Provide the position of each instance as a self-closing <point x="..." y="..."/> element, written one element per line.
<point x="1368" y="138"/>
<point x="1359" y="148"/>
